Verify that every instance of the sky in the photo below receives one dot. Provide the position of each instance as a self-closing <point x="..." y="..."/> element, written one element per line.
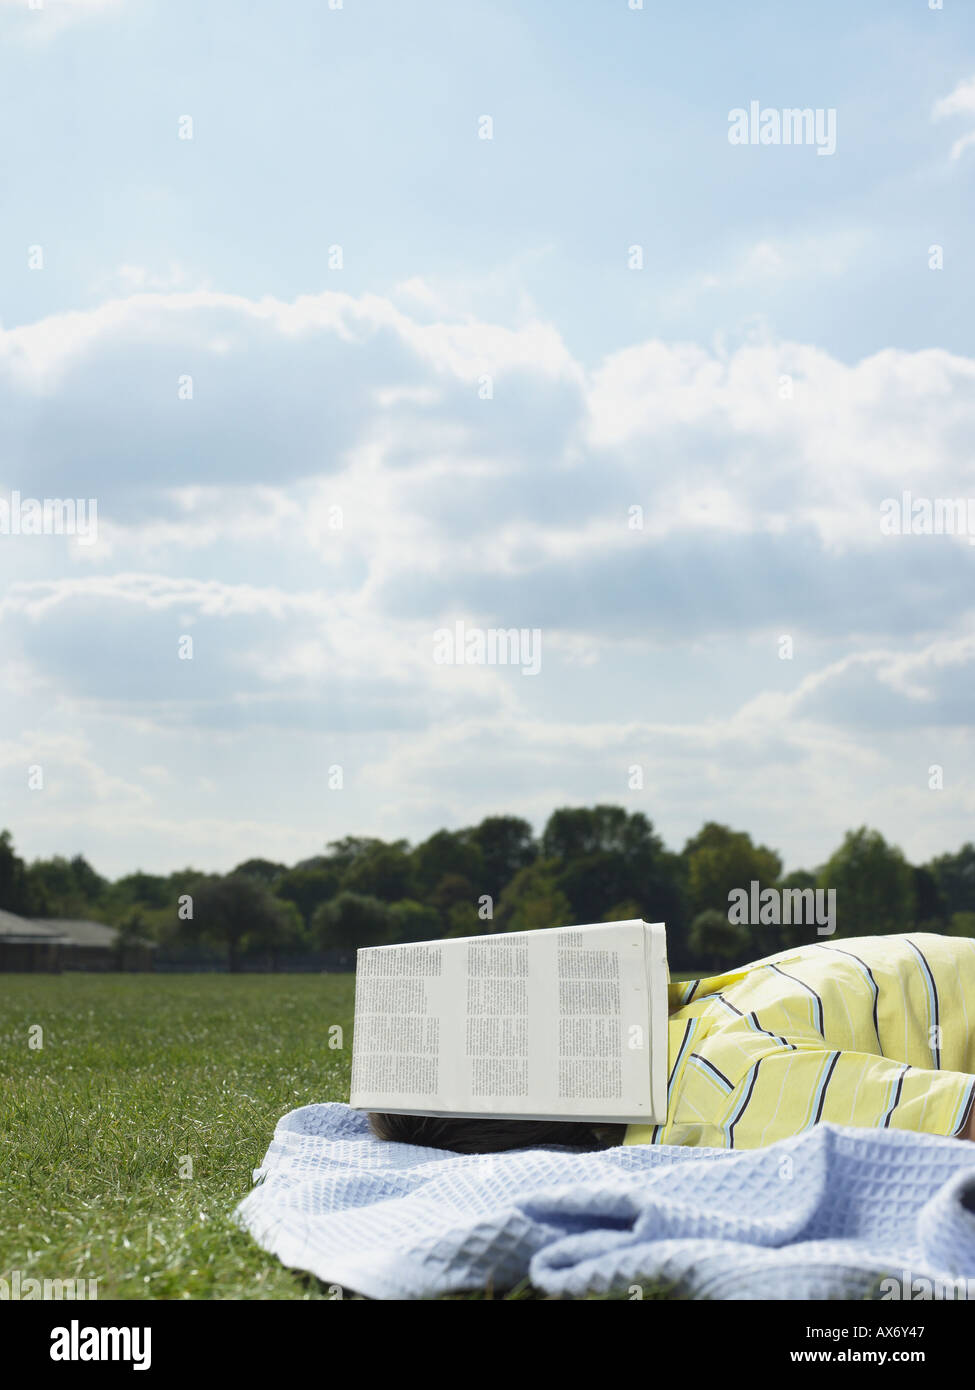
<point x="350" y="323"/>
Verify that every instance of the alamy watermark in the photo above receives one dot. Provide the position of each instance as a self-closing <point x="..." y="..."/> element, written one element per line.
<point x="920" y="1288"/>
<point x="17" y="1289"/>
<point x="928" y="516"/>
<point x="756" y="906"/>
<point x="491" y="646"/>
<point x="792" y="125"/>
<point x="50" y="516"/>
<point x="77" y="1343"/>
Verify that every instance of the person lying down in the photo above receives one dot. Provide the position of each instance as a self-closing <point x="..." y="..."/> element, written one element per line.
<point x="873" y="1031"/>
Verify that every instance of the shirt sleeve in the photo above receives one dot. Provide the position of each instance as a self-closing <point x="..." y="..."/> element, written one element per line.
<point x="787" y="1090"/>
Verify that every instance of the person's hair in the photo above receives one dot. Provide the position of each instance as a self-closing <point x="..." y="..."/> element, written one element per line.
<point x="485" y="1136"/>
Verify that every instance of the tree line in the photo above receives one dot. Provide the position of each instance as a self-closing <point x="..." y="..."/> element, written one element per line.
<point x="589" y="864"/>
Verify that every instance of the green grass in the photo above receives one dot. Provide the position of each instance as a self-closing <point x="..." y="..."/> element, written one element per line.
<point x="137" y="1073"/>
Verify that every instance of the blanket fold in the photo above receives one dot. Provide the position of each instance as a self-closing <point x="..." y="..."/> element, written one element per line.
<point x="829" y="1213"/>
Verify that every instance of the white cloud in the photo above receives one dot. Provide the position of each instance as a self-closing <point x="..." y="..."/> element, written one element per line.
<point x="129" y="278"/>
<point x="56" y="8"/>
<point x="424" y="475"/>
<point x="959" y="102"/>
<point x="826" y="253"/>
<point x="313" y="643"/>
<point x="962" y="144"/>
<point x="45" y="19"/>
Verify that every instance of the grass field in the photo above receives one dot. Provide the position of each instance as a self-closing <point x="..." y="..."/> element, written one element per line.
<point x="136" y="1074"/>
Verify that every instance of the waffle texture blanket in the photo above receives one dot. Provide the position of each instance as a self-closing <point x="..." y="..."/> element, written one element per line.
<point x="830" y="1213"/>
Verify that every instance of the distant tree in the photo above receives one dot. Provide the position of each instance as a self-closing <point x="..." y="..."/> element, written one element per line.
<point x="463" y="920"/>
<point x="154" y="899"/>
<point x="342" y="853"/>
<point x="307" y="889"/>
<point x="167" y="924"/>
<point x="593" y="881"/>
<point x="52" y="882"/>
<point x="140" y="890"/>
<point x="178" y="880"/>
<point x="132" y="929"/>
<point x="88" y="883"/>
<point x="415" y="921"/>
<point x="264" y="869"/>
<point x="623" y="912"/>
<point x="717" y="943"/>
<point x="383" y="871"/>
<point x="532" y="900"/>
<point x="607" y="855"/>
<point x="573" y="833"/>
<point x="931" y="910"/>
<point x="720" y="860"/>
<point x="18" y="894"/>
<point x="352" y="920"/>
<point x="66" y="887"/>
<point x="451" y="891"/>
<point x="319" y="861"/>
<point x="955" y="876"/>
<point x="507" y="845"/>
<point x="238" y="911"/>
<point x="590" y="864"/>
<point x="798" y="878"/>
<point x="279" y="933"/>
<point x="962" y="924"/>
<point x="874" y="884"/>
<point x="446" y="854"/>
<point x="767" y="940"/>
<point x="160" y="924"/>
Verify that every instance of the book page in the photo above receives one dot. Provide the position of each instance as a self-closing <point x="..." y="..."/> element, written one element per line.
<point x="545" y="1024"/>
<point x="658" y="978"/>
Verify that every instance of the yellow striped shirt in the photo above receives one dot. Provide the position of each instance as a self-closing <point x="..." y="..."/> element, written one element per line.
<point x="875" y="1031"/>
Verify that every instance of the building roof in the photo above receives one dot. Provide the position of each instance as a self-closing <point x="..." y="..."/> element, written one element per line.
<point x="61" y="931"/>
<point x="17" y="930"/>
<point x="80" y="933"/>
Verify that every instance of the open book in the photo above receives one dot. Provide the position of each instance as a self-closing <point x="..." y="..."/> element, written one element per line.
<point x="563" y="1023"/>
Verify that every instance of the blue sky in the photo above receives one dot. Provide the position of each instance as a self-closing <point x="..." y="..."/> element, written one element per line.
<point x="785" y="360"/>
